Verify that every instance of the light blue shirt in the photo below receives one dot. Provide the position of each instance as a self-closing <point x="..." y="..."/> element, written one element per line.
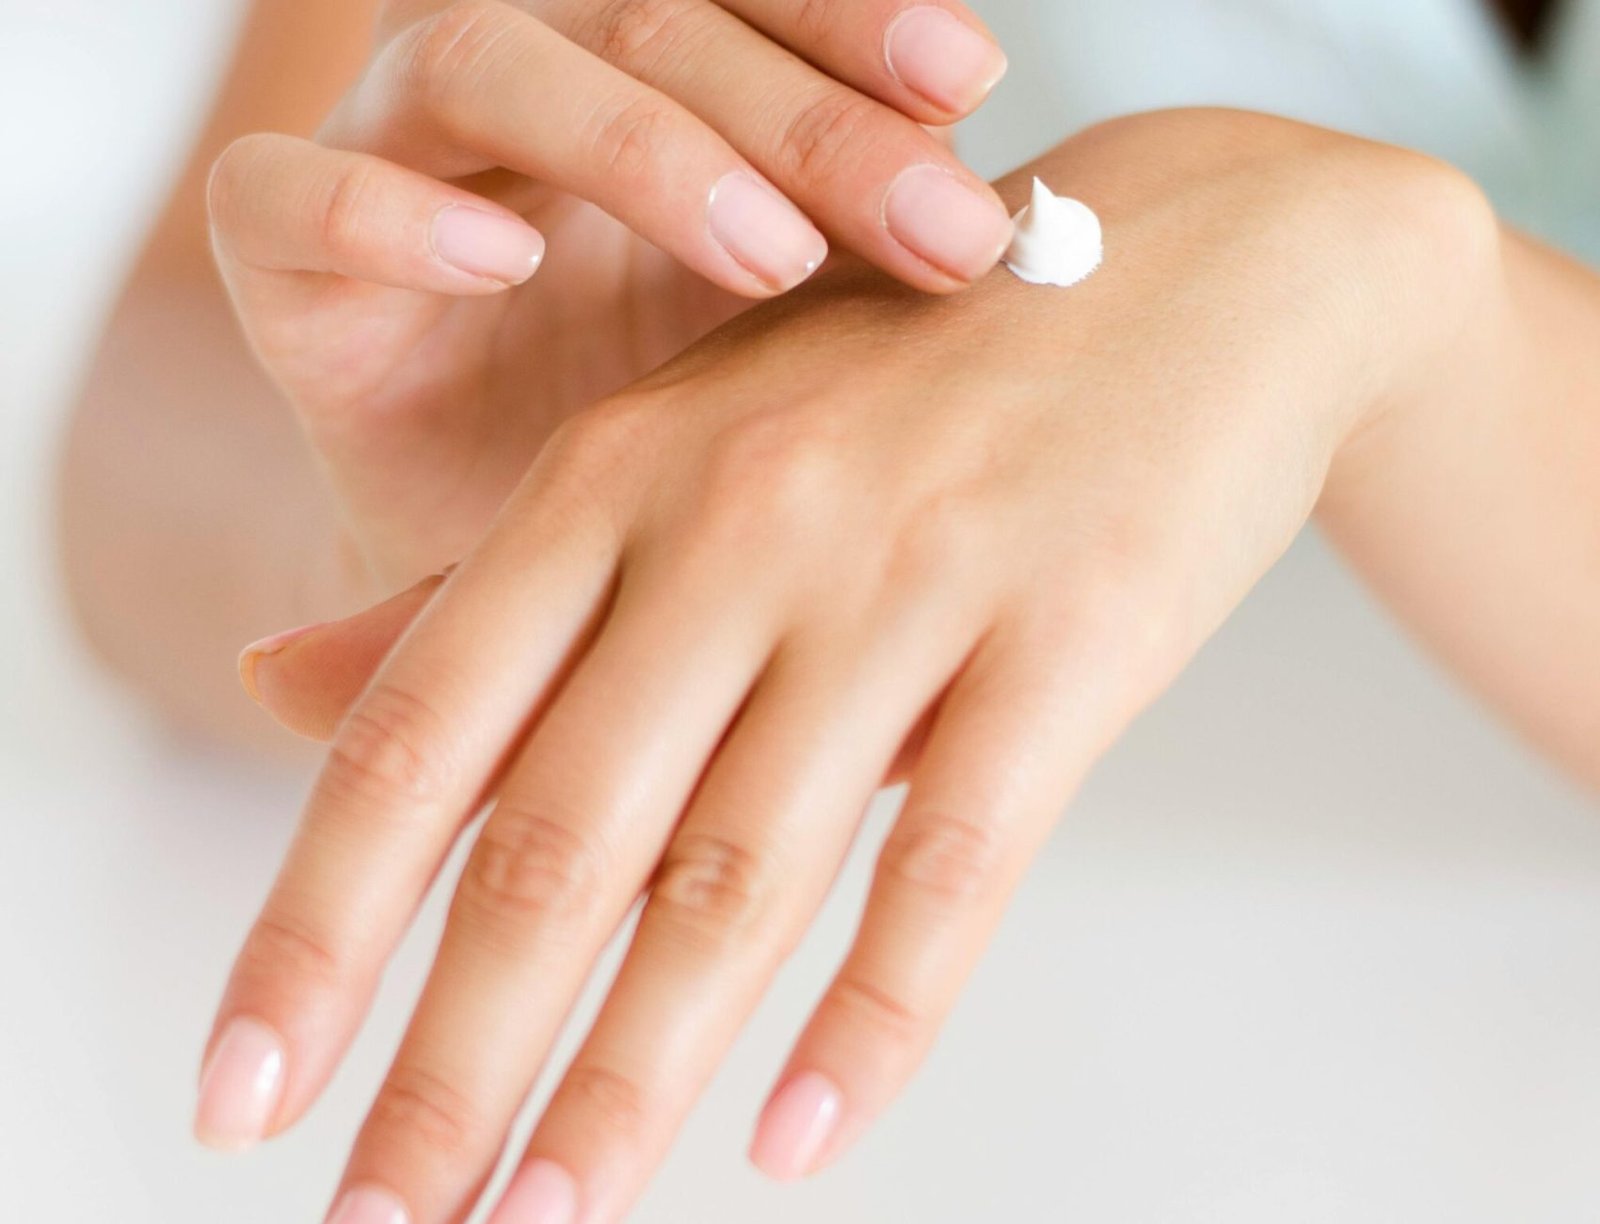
<point x="1436" y="75"/>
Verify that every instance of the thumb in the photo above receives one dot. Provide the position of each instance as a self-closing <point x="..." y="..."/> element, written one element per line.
<point x="308" y="678"/>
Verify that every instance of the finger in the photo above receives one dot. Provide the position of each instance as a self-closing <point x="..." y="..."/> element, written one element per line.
<point x="742" y="878"/>
<point x="935" y="62"/>
<point x="870" y="177"/>
<point x="483" y="84"/>
<point x="308" y="678"/>
<point x="1011" y="742"/>
<point x="409" y="764"/>
<point x="280" y="204"/>
<point x="579" y="823"/>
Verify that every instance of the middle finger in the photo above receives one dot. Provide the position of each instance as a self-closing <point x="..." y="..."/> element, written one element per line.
<point x="579" y="822"/>
<point x="742" y="878"/>
<point x="864" y="172"/>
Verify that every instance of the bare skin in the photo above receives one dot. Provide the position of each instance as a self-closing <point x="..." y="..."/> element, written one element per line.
<point x="1022" y="526"/>
<point x="458" y="382"/>
<point x="635" y="666"/>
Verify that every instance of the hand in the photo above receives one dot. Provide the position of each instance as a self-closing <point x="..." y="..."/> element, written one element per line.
<point x="721" y="604"/>
<point x="374" y="271"/>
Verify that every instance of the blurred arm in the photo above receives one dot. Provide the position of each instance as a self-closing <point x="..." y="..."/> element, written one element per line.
<point x="194" y="520"/>
<point x="1475" y="511"/>
<point x="192" y="517"/>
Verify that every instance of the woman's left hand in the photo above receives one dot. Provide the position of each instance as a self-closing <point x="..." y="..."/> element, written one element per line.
<point x="856" y="525"/>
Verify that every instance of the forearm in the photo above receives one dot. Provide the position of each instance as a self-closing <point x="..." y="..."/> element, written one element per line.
<point x="192" y="517"/>
<point x="1473" y="508"/>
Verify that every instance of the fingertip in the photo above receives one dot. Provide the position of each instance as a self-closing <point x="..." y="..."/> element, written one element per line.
<point x="542" y="1192"/>
<point x="241" y="1086"/>
<point x="947" y="62"/>
<point x="797" y="1126"/>
<point x="767" y="236"/>
<point x="369" y="1204"/>
<point x="501" y="250"/>
<point x="251" y="656"/>
<point x="307" y="678"/>
<point x="956" y="230"/>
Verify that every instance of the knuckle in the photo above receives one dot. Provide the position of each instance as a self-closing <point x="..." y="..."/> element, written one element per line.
<point x="637" y="34"/>
<point x="1108" y="610"/>
<point x="815" y="21"/>
<point x="946" y="533"/>
<point x="616" y="1099"/>
<point x="777" y="472"/>
<point x="864" y="1002"/>
<point x="819" y="142"/>
<point x="420" y="1104"/>
<point x="344" y="210"/>
<point x="711" y="890"/>
<point x="530" y="868"/>
<point x="591" y="457"/>
<point x="281" y="947"/>
<point x="626" y="138"/>
<point x="1109" y="599"/>
<point x="603" y="436"/>
<point x="449" y="51"/>
<point x="951" y="859"/>
<point x="392" y="748"/>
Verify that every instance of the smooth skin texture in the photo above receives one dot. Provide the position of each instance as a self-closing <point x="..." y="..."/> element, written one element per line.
<point x="645" y="107"/>
<point x="380" y="269"/>
<point x="424" y="406"/>
<point x="1467" y="500"/>
<point x="635" y="667"/>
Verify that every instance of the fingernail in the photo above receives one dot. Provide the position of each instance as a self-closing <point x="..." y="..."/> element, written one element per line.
<point x="252" y="654"/>
<point x="487" y="245"/>
<point x="939" y="218"/>
<point x="796" y="1125"/>
<point x="369" y="1205"/>
<point x="942" y="58"/>
<point x="240" y="1086"/>
<point x="541" y="1193"/>
<point x="771" y="239"/>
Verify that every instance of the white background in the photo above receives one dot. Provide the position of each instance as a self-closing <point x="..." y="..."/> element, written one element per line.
<point x="1318" y="943"/>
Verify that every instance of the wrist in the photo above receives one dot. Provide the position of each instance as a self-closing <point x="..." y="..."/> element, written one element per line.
<point x="1443" y="311"/>
<point x="1394" y="254"/>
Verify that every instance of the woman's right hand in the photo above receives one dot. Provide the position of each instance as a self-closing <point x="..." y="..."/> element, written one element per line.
<point x="377" y="271"/>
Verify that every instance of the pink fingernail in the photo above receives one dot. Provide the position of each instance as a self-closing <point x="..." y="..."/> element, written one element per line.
<point x="541" y="1193"/>
<point x="240" y="1087"/>
<point x="947" y="223"/>
<point x="487" y="245"/>
<point x="796" y="1125"/>
<point x="369" y="1205"/>
<point x="252" y="655"/>
<point x="770" y="238"/>
<point x="942" y="58"/>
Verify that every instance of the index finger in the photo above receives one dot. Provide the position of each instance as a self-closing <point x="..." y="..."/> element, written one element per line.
<point x="409" y="765"/>
<point x="872" y="179"/>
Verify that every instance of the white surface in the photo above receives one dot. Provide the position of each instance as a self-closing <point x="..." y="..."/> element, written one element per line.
<point x="1317" y="944"/>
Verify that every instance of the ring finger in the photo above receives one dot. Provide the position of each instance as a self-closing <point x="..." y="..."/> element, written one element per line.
<point x="878" y="182"/>
<point x="1012" y="740"/>
<point x="739" y="882"/>
<point x="485" y="84"/>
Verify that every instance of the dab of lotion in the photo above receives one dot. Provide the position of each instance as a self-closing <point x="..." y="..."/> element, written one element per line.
<point x="1058" y="241"/>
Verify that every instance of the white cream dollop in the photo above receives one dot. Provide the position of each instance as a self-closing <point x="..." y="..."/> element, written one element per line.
<point x="1058" y="240"/>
